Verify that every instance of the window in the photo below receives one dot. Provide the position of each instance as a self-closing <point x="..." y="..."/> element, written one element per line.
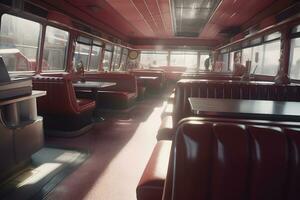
<point x="55" y="49"/>
<point x="203" y="57"/>
<point x="246" y="55"/>
<point x="264" y="58"/>
<point x="123" y="60"/>
<point x="295" y="59"/>
<point x="87" y="54"/>
<point x="95" y="58"/>
<point x="188" y="59"/>
<point x="107" y="57"/>
<point x="154" y="58"/>
<point x="231" y="61"/>
<point x="271" y="57"/>
<point x="19" y="43"/>
<point x="225" y="61"/>
<point x="81" y="55"/>
<point x="116" y="57"/>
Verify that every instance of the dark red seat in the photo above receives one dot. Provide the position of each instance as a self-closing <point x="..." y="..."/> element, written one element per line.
<point x="234" y="161"/>
<point x="224" y="89"/>
<point x="173" y="73"/>
<point x="219" y="158"/>
<point x="152" y="181"/>
<point x="60" y="107"/>
<point x="153" y="85"/>
<point x="120" y="96"/>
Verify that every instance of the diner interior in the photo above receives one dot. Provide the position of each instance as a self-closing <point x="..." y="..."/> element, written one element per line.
<point x="150" y="99"/>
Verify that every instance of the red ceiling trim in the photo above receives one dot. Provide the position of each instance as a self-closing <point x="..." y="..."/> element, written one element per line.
<point x="160" y="14"/>
<point x="146" y="22"/>
<point x="146" y="4"/>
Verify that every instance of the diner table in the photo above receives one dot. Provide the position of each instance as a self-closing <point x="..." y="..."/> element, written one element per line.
<point x="92" y="85"/>
<point x="246" y="109"/>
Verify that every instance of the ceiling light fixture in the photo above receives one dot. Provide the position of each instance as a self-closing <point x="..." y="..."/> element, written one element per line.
<point x="190" y="16"/>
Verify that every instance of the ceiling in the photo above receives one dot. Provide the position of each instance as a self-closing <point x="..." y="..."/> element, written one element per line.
<point x="139" y="21"/>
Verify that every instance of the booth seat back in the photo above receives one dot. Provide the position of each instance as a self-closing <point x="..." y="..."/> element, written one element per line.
<point x="125" y="82"/>
<point x="210" y="76"/>
<point x="229" y="90"/>
<point x="60" y="98"/>
<point x="158" y="73"/>
<point x="225" y="161"/>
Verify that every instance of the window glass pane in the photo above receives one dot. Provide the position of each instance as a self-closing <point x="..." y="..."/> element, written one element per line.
<point x="81" y="55"/>
<point x="223" y="62"/>
<point x="55" y="48"/>
<point x="95" y="58"/>
<point x="231" y="61"/>
<point x="19" y="41"/>
<point x="186" y="59"/>
<point x="107" y="60"/>
<point x="116" y="57"/>
<point x="257" y="58"/>
<point x="123" y="60"/>
<point x="154" y="58"/>
<point x="203" y="58"/>
<point x="271" y="58"/>
<point x="295" y="59"/>
<point x="246" y="55"/>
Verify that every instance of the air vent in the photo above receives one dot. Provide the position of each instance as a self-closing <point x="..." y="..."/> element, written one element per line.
<point x="31" y="8"/>
<point x="7" y="2"/>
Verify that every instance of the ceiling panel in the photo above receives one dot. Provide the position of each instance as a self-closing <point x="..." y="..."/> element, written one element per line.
<point x="232" y="13"/>
<point x="154" y="19"/>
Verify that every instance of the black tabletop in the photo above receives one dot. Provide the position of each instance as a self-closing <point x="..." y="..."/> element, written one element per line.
<point x="93" y="84"/>
<point x="247" y="109"/>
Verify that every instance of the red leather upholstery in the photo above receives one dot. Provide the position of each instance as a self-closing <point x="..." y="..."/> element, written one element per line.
<point x="210" y="76"/>
<point x="173" y="73"/>
<point x="60" y="98"/>
<point x="233" y="161"/>
<point x="122" y="95"/>
<point x="124" y="81"/>
<point x="151" y="184"/>
<point x="151" y="84"/>
<point x="60" y="107"/>
<point x="224" y="89"/>
<point x="229" y="89"/>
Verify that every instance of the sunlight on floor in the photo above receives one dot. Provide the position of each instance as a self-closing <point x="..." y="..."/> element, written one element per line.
<point x="37" y="174"/>
<point x="125" y="169"/>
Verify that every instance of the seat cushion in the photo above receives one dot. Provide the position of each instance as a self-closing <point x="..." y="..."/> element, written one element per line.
<point x="167" y="111"/>
<point x="151" y="184"/>
<point x="166" y="130"/>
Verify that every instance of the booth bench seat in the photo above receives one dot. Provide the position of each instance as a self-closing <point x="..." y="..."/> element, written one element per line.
<point x="60" y="107"/>
<point x="120" y="96"/>
<point x="226" y="159"/>
<point x="152" y="85"/>
<point x="221" y="89"/>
